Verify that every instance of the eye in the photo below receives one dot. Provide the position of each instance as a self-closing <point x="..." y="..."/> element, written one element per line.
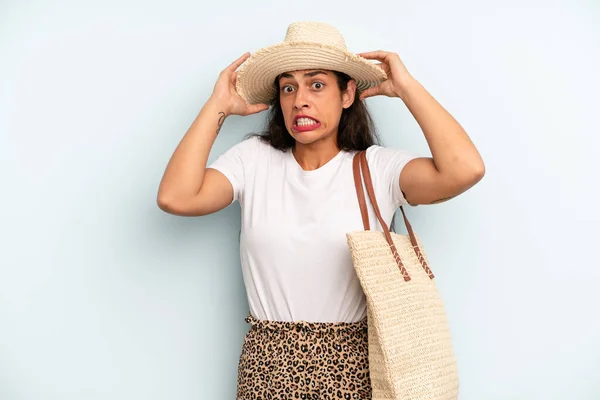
<point x="287" y="89"/>
<point x="318" y="85"/>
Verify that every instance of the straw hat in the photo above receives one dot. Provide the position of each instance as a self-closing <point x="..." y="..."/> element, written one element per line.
<point x="307" y="45"/>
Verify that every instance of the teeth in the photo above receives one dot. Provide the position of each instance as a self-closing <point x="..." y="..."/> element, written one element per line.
<point x="305" y="121"/>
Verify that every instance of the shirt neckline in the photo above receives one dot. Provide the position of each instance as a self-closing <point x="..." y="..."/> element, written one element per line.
<point x="315" y="172"/>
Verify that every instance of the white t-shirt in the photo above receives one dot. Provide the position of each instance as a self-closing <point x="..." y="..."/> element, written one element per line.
<point x="295" y="260"/>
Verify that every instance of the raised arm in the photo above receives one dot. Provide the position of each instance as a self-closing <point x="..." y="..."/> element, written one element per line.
<point x="455" y="165"/>
<point x="187" y="187"/>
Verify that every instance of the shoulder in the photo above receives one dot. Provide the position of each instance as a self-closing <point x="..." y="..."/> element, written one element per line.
<point x="251" y="147"/>
<point x="386" y="165"/>
<point x="252" y="144"/>
<point x="377" y="151"/>
<point x="380" y="155"/>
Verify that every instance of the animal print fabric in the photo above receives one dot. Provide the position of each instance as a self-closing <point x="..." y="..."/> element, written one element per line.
<point x="304" y="360"/>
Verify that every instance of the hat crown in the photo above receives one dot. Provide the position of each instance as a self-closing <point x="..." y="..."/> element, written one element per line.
<point x="307" y="45"/>
<point x="315" y="32"/>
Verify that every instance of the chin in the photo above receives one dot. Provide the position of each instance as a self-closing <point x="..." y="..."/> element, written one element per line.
<point x="308" y="137"/>
<point x="305" y="139"/>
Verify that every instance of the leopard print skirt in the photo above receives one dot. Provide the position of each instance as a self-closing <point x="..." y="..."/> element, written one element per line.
<point x="304" y="360"/>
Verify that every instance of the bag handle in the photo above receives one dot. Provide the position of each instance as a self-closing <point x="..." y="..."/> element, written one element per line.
<point x="361" y="167"/>
<point x="360" y="194"/>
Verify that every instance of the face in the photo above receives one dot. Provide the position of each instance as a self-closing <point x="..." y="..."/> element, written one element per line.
<point x="312" y="104"/>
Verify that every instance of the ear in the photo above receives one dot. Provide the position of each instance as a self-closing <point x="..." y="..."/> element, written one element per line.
<point x="348" y="94"/>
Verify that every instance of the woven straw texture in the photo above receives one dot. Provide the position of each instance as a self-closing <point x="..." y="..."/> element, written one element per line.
<point x="410" y="348"/>
<point x="307" y="45"/>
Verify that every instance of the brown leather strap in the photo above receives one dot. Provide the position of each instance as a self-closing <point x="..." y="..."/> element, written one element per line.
<point x="366" y="174"/>
<point x="363" y="169"/>
<point x="360" y="194"/>
<point x="413" y="241"/>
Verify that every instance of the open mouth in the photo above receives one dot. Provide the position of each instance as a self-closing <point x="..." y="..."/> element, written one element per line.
<point x="303" y="123"/>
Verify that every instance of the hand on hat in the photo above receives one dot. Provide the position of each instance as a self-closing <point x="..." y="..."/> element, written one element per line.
<point x="225" y="92"/>
<point x="395" y="70"/>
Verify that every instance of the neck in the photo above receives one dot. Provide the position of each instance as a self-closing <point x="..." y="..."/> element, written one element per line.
<point x="314" y="155"/>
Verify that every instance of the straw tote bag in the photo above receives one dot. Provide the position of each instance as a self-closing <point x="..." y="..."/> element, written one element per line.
<point x="410" y="349"/>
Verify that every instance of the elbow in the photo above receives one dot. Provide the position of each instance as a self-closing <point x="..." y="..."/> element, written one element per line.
<point x="170" y="206"/>
<point x="473" y="177"/>
<point x="468" y="177"/>
<point x="478" y="172"/>
<point x="169" y="203"/>
<point x="164" y="203"/>
<point x="181" y="206"/>
<point x="471" y="171"/>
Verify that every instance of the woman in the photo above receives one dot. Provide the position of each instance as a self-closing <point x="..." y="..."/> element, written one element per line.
<point x="308" y="336"/>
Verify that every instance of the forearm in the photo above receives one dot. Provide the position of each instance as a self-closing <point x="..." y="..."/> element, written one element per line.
<point x="454" y="154"/>
<point x="185" y="171"/>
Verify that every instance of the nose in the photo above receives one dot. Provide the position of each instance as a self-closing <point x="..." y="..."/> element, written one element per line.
<point x="301" y="101"/>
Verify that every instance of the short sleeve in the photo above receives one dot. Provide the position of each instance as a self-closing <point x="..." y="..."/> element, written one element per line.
<point x="235" y="164"/>
<point x="385" y="165"/>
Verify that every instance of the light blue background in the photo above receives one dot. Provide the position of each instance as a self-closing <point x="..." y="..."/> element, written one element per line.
<point x="103" y="296"/>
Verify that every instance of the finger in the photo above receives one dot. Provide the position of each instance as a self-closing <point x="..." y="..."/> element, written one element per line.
<point x="235" y="65"/>
<point x="379" y="55"/>
<point x="374" y="91"/>
<point x="256" y="108"/>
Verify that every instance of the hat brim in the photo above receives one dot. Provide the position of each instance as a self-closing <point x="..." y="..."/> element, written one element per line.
<point x="256" y="76"/>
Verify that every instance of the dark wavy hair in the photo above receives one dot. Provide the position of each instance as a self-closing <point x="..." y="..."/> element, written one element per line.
<point x="356" y="130"/>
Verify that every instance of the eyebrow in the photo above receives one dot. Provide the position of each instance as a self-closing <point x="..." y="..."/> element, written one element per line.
<point x="308" y="74"/>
